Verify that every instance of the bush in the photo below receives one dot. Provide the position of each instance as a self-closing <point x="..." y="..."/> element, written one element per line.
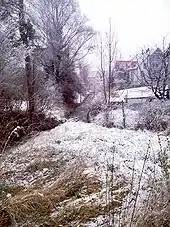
<point x="154" y="117"/>
<point x="15" y="125"/>
<point x="155" y="210"/>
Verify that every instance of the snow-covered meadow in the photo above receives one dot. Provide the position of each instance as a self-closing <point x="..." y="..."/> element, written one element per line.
<point x="93" y="142"/>
<point x="120" y="166"/>
<point x="131" y="156"/>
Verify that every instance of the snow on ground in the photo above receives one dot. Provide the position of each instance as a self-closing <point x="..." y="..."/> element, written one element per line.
<point x="56" y="112"/>
<point x="140" y="92"/>
<point x="98" y="147"/>
<point x="94" y="143"/>
<point x="19" y="105"/>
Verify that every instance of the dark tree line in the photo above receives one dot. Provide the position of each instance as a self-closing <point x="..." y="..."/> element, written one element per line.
<point x="52" y="37"/>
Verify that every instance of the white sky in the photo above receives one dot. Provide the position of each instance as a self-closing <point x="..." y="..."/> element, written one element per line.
<point x="137" y="23"/>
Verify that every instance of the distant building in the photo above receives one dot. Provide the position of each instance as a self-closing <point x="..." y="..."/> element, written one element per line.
<point x="124" y="65"/>
<point x="126" y="73"/>
<point x="155" y="60"/>
<point x="95" y="81"/>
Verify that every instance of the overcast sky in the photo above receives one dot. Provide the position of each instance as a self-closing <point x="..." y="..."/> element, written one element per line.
<point x="136" y="22"/>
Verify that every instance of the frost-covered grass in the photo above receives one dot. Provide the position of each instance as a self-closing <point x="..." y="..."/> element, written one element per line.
<point x="88" y="140"/>
<point x="153" y="116"/>
<point x="121" y="163"/>
<point x="72" y="199"/>
<point x="78" y="139"/>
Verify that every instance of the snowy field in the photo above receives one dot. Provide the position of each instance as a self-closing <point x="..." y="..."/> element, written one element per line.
<point x="94" y="143"/>
<point x="131" y="154"/>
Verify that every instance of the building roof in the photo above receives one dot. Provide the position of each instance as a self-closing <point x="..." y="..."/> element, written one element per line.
<point x="134" y="93"/>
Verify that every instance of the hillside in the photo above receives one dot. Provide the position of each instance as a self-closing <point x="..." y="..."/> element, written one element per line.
<point x="77" y="174"/>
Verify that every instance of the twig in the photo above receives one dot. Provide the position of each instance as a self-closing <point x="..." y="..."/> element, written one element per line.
<point x="139" y="185"/>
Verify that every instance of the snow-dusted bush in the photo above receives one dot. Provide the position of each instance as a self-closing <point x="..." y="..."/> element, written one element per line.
<point x="154" y="208"/>
<point x="115" y="117"/>
<point x="154" y="116"/>
<point x="15" y="125"/>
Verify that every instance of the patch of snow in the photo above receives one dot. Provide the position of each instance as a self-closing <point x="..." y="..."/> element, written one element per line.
<point x="20" y="105"/>
<point x="140" y="92"/>
<point x="93" y="142"/>
<point x="58" y="113"/>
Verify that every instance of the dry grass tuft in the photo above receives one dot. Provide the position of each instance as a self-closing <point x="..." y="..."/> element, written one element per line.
<point x="39" y="165"/>
<point x="74" y="199"/>
<point x="5" y="218"/>
<point x="155" y="211"/>
<point x="81" y="214"/>
<point x="155" y="219"/>
<point x="37" y="203"/>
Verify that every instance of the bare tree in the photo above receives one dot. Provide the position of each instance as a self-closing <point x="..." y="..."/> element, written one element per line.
<point x="22" y="35"/>
<point x="27" y="35"/>
<point x="103" y="73"/>
<point x="12" y="86"/>
<point x="108" y="53"/>
<point x="154" y="71"/>
<point x="84" y="72"/>
<point x="62" y="39"/>
<point x="110" y="57"/>
<point x="66" y="38"/>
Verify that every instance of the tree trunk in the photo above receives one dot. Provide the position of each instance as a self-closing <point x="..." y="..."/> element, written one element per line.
<point x="110" y="58"/>
<point x="123" y="114"/>
<point x="103" y="73"/>
<point x="30" y="85"/>
<point x="28" y="64"/>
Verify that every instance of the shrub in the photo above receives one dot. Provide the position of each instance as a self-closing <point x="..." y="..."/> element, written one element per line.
<point x="15" y="125"/>
<point x="155" y="211"/>
<point x="153" y="117"/>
